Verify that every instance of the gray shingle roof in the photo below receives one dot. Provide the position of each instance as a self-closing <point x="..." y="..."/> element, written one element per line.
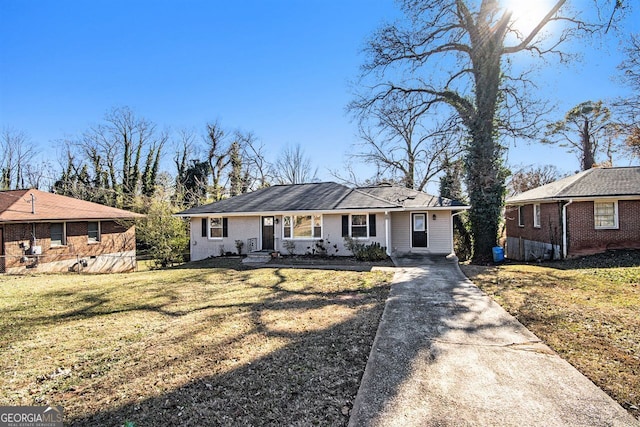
<point x="324" y="196"/>
<point x="592" y="183"/>
<point x="409" y="198"/>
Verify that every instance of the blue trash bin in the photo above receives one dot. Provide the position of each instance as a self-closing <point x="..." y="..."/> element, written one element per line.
<point x="498" y="254"/>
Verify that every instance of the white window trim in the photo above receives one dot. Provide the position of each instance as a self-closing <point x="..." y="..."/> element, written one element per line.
<point x="99" y="239"/>
<point x="209" y="228"/>
<point x="616" y="222"/>
<point x="64" y="235"/>
<point x="291" y="228"/>
<point x="536" y="218"/>
<point x="520" y="216"/>
<point x="366" y="216"/>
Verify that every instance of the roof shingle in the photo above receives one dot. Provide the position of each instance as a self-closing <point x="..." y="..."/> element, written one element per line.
<point x="323" y="196"/>
<point x="15" y="206"/>
<point x="592" y="183"/>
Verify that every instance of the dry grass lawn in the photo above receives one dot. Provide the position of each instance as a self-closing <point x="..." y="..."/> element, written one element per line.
<point x="202" y="344"/>
<point x="590" y="316"/>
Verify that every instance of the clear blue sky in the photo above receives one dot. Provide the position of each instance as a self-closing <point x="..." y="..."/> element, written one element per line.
<point x="278" y="68"/>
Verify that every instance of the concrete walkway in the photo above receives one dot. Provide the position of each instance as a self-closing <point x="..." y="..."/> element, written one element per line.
<point x="446" y="355"/>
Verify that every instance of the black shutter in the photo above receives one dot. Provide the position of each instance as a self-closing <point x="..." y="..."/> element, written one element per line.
<point x="225" y="227"/>
<point x="372" y="225"/>
<point x="204" y="227"/>
<point x="345" y="225"/>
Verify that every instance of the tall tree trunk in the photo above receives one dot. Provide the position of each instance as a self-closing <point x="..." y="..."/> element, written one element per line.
<point x="588" y="156"/>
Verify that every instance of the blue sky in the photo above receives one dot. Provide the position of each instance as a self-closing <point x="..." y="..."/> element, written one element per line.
<point x="278" y="68"/>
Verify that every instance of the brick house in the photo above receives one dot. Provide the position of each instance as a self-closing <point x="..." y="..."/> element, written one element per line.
<point x="590" y="212"/>
<point x="47" y="232"/>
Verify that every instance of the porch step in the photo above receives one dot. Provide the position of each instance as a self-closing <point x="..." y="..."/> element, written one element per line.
<point x="257" y="258"/>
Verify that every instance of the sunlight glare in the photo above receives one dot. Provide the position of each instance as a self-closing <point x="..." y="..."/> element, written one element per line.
<point x="526" y="14"/>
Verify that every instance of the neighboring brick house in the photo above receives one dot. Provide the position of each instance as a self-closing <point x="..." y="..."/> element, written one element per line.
<point x="587" y="213"/>
<point x="42" y="231"/>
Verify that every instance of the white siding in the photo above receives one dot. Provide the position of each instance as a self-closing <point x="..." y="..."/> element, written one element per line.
<point x="245" y="228"/>
<point x="400" y="232"/>
<point x="439" y="233"/>
<point x="331" y="237"/>
<point x="239" y="228"/>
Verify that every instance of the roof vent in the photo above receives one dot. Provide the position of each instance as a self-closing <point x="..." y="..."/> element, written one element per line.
<point x="385" y="184"/>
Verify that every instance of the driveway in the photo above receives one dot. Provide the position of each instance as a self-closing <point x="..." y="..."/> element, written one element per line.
<point x="445" y="354"/>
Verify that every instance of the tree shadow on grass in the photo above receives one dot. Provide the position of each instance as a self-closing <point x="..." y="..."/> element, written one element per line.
<point x="309" y="381"/>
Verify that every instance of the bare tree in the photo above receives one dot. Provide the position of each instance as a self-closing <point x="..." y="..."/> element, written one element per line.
<point x="629" y="107"/>
<point x="17" y="154"/>
<point x="117" y="159"/>
<point x="218" y="157"/>
<point x="257" y="170"/>
<point x="294" y="167"/>
<point x="454" y="54"/>
<point x="586" y="130"/>
<point x="530" y="177"/>
<point x="400" y="145"/>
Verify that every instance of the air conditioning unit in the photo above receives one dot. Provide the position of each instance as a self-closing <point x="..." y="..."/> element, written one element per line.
<point x="36" y="250"/>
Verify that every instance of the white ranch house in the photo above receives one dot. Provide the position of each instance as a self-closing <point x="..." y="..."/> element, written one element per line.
<point x="296" y="218"/>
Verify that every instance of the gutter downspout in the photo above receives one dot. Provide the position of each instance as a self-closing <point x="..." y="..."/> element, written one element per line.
<point x="564" y="229"/>
<point x="453" y="251"/>
<point x="387" y="231"/>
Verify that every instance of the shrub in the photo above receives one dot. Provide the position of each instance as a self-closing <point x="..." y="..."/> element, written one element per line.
<point x="362" y="252"/>
<point x="290" y="246"/>
<point x="166" y="236"/>
<point x="239" y="245"/>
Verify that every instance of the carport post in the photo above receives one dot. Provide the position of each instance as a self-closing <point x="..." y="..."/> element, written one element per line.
<point x="387" y="232"/>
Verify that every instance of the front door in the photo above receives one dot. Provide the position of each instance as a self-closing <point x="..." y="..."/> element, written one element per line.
<point x="268" y="231"/>
<point x="419" y="230"/>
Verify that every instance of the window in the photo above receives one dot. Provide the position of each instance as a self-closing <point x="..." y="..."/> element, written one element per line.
<point x="286" y="227"/>
<point x="56" y="231"/>
<point x="93" y="232"/>
<point x="536" y="215"/>
<point x="302" y="227"/>
<point x="359" y="226"/>
<point x="605" y="214"/>
<point x="215" y="228"/>
<point x="520" y="216"/>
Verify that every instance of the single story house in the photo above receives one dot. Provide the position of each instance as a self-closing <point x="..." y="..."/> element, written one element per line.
<point x="590" y="212"/>
<point x="315" y="217"/>
<point x="42" y="231"/>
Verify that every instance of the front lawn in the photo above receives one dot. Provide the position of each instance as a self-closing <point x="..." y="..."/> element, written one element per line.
<point x="202" y="344"/>
<point x="587" y="310"/>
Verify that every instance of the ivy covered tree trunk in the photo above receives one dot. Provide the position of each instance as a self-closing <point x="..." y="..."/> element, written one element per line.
<point x="484" y="157"/>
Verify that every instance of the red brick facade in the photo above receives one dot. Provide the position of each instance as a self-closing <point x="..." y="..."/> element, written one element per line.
<point x="550" y="229"/>
<point x="17" y="239"/>
<point x="582" y="236"/>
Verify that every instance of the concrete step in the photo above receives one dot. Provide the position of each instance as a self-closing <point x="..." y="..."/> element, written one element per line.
<point x="257" y="258"/>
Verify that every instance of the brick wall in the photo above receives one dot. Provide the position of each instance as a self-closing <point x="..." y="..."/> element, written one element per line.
<point x="585" y="239"/>
<point x="114" y="238"/>
<point x="550" y="230"/>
